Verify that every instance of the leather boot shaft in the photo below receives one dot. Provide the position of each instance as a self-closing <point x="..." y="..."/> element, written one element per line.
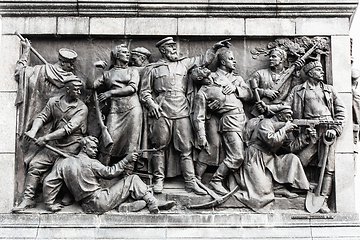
<point x="158" y="165"/>
<point x="200" y="169"/>
<point x="326" y="185"/>
<point x="221" y="173"/>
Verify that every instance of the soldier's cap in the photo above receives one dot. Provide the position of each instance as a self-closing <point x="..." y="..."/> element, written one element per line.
<point x="75" y="80"/>
<point x="142" y="51"/>
<point x="67" y="54"/>
<point x="284" y="109"/>
<point x="311" y="65"/>
<point x="355" y="73"/>
<point x="167" y="40"/>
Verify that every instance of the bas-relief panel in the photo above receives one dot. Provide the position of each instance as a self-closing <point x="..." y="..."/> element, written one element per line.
<point x="207" y="189"/>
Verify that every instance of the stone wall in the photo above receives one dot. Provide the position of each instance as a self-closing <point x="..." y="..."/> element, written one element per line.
<point x="245" y="20"/>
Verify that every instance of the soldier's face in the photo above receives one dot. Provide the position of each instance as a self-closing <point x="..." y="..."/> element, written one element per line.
<point x="74" y="91"/>
<point x="170" y="52"/>
<point x="275" y="59"/>
<point x="284" y="117"/>
<point x="67" y="66"/>
<point x="91" y="149"/>
<point x="123" y="55"/>
<point x="136" y="60"/>
<point x="229" y="62"/>
<point x="317" y="73"/>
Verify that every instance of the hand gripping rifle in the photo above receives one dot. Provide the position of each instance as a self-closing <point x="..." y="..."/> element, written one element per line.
<point x="54" y="149"/>
<point x="104" y="130"/>
<point x="32" y="49"/>
<point x="284" y="77"/>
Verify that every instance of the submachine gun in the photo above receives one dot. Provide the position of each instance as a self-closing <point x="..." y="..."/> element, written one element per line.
<point x="312" y="123"/>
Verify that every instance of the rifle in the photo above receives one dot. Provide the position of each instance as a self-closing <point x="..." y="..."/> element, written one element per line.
<point x="284" y="77"/>
<point x="104" y="131"/>
<point x="141" y="151"/>
<point x="54" y="149"/>
<point x="312" y="123"/>
<point x="32" y="49"/>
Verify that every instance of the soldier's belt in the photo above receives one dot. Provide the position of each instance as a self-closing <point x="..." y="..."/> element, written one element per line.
<point x="172" y="93"/>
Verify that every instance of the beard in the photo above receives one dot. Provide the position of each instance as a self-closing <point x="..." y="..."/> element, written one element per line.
<point x="172" y="56"/>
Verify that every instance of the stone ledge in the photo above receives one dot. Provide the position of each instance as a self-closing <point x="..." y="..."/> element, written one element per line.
<point x="179" y="8"/>
<point x="219" y="219"/>
<point x="179" y="226"/>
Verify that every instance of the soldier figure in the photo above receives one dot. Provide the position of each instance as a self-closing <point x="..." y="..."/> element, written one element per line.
<point x="39" y="83"/>
<point x="262" y="166"/>
<point x="68" y="115"/>
<point x="164" y="91"/>
<point x="81" y="174"/>
<point x="316" y="100"/>
<point x="139" y="57"/>
<point x="229" y="90"/>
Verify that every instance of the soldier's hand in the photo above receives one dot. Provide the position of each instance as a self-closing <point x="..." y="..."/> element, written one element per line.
<point x="299" y="63"/>
<point x="103" y="96"/>
<point x="289" y="126"/>
<point x="223" y="43"/>
<point x="100" y="64"/>
<point x="29" y="135"/>
<point x="203" y="143"/>
<point x="214" y="105"/>
<point x="133" y="157"/>
<point x="272" y="94"/>
<point x="261" y="106"/>
<point x="26" y="44"/>
<point x="41" y="141"/>
<point x="330" y="133"/>
<point x="154" y="111"/>
<point x="229" y="89"/>
<point x="312" y="132"/>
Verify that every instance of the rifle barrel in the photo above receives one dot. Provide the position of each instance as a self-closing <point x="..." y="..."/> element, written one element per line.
<point x="32" y="49"/>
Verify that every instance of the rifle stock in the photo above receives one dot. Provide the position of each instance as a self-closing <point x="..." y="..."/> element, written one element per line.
<point x="104" y="131"/>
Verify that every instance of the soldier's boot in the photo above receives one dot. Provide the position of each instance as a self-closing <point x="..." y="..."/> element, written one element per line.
<point x="187" y="168"/>
<point x="132" y="207"/>
<point x="155" y="206"/>
<point x="158" y="164"/>
<point x="325" y="191"/>
<point x="25" y="204"/>
<point x="280" y="190"/>
<point x="217" y="179"/>
<point x="200" y="169"/>
<point x="32" y="182"/>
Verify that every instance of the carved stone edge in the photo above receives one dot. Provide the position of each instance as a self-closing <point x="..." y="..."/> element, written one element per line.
<point x="204" y="220"/>
<point x="179" y="9"/>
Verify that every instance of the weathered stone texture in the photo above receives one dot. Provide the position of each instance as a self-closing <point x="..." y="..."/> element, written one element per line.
<point x="7" y="180"/>
<point x="107" y="26"/>
<point x="73" y="25"/>
<point x="151" y="26"/>
<point x="211" y="26"/>
<point x="269" y="26"/>
<point x="7" y="123"/>
<point x="9" y="52"/>
<point x="344" y="183"/>
<point x="322" y="26"/>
